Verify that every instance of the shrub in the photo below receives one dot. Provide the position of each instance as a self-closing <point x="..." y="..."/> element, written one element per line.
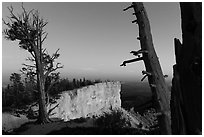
<point x="113" y="119"/>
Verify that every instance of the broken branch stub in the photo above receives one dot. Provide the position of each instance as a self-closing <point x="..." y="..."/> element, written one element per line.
<point x="139" y="52"/>
<point x="135" y="21"/>
<point x="147" y="73"/>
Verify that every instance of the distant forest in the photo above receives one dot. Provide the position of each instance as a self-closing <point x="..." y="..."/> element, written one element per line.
<point x="23" y="91"/>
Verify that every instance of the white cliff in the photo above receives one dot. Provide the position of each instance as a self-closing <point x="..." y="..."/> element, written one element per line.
<point x="88" y="101"/>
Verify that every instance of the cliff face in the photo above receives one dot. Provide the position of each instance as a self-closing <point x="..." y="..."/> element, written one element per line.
<point x="87" y="101"/>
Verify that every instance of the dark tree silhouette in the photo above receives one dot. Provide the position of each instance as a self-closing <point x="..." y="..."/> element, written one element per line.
<point x="153" y="70"/>
<point x="17" y="87"/>
<point x="186" y="92"/>
<point x="27" y="28"/>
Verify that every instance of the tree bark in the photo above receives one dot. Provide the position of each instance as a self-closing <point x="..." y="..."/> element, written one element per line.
<point x="156" y="79"/>
<point x="186" y="98"/>
<point x="43" y="115"/>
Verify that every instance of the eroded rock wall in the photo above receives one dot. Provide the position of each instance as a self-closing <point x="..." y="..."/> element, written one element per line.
<point x="88" y="101"/>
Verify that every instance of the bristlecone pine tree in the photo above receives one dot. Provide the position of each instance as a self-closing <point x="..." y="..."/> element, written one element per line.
<point x="153" y="69"/>
<point x="27" y="28"/>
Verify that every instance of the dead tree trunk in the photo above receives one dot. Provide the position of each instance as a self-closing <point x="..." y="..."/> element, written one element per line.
<point x="186" y="95"/>
<point x="153" y="69"/>
<point x="43" y="115"/>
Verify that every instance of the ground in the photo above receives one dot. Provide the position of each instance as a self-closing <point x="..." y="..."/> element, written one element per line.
<point x="117" y="122"/>
<point x="74" y="128"/>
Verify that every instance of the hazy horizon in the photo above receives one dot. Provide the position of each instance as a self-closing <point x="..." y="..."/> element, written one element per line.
<point x="95" y="38"/>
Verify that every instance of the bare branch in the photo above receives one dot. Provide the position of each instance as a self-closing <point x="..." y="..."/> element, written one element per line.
<point x="30" y="59"/>
<point x="44" y="51"/>
<point x="55" y="55"/>
<point x="43" y="24"/>
<point x="32" y="54"/>
<point x="131" y="6"/>
<point x="130" y="61"/>
<point x="144" y="77"/>
<point x="10" y="19"/>
<point x="10" y="8"/>
<point x="53" y="69"/>
<point x="44" y="37"/>
<point x="29" y="66"/>
<point x="12" y="14"/>
<point x="135" y="21"/>
<point x="57" y="67"/>
<point x="49" y="112"/>
<point x="8" y="24"/>
<point x="24" y="11"/>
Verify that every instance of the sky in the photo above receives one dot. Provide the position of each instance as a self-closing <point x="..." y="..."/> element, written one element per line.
<point x="95" y="38"/>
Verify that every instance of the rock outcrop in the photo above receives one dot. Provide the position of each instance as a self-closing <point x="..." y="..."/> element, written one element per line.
<point x="88" y="101"/>
<point x="10" y="121"/>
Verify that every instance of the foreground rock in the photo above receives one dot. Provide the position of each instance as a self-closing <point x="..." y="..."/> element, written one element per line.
<point x="10" y="121"/>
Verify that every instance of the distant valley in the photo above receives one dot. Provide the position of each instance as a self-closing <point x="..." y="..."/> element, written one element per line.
<point x="135" y="94"/>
